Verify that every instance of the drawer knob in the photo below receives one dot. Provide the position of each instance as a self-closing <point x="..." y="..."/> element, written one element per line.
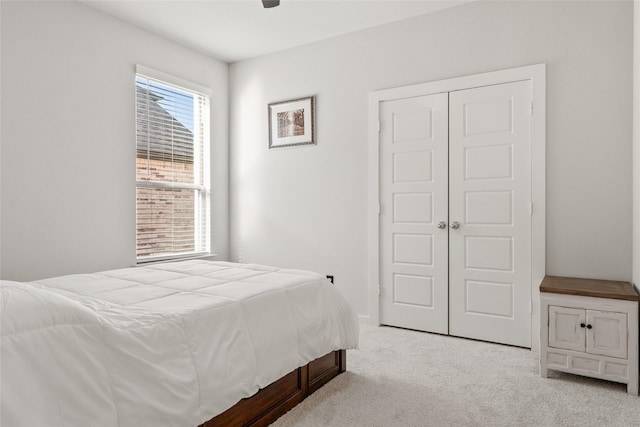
<point x="582" y="325"/>
<point x="589" y="326"/>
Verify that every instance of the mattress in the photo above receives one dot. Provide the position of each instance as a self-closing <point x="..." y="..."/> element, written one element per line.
<point x="170" y="344"/>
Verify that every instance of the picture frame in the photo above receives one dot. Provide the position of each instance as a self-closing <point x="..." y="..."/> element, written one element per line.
<point x="292" y="123"/>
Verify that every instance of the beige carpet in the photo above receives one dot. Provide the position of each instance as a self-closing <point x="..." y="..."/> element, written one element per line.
<point x="407" y="378"/>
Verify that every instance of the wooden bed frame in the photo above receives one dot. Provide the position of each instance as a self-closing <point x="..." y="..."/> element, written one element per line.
<point x="273" y="401"/>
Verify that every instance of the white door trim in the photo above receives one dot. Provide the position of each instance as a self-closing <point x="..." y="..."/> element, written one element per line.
<point x="537" y="74"/>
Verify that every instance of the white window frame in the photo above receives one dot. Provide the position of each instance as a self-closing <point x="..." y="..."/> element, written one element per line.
<point x="202" y="226"/>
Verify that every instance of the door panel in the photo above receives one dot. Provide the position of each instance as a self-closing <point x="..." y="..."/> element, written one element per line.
<point x="413" y="167"/>
<point x="489" y="207"/>
<point x="413" y="189"/>
<point x="496" y="298"/>
<point x="488" y="253"/>
<point x="489" y="162"/>
<point x="488" y="115"/>
<point x="413" y="249"/>
<point x="413" y="290"/>
<point x="412" y="208"/>
<point x="490" y="195"/>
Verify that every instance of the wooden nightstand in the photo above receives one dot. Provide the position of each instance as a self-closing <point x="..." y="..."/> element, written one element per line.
<point x="589" y="327"/>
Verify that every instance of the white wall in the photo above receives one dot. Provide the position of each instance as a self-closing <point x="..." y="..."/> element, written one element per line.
<point x="636" y="144"/>
<point x="68" y="136"/>
<point x="306" y="207"/>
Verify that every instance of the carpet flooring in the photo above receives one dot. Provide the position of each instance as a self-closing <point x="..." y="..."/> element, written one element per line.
<point x="406" y="378"/>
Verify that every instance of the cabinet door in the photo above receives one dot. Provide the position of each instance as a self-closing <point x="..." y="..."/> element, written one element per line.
<point x="564" y="328"/>
<point x="608" y="333"/>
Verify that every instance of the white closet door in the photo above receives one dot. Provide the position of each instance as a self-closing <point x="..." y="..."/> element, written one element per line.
<point x="413" y="195"/>
<point x="490" y="199"/>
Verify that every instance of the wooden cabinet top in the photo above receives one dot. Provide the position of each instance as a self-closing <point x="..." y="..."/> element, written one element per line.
<point x="589" y="288"/>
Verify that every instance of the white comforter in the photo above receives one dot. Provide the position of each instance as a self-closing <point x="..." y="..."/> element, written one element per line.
<point x="167" y="345"/>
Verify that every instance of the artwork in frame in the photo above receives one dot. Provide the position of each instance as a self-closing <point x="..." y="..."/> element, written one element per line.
<point x="292" y="122"/>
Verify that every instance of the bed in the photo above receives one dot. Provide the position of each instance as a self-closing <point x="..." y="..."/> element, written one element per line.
<point x="175" y="344"/>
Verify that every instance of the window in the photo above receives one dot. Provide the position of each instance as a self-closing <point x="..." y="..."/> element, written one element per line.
<point x="172" y="169"/>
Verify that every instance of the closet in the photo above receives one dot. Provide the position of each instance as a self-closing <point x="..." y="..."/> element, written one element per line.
<point x="455" y="228"/>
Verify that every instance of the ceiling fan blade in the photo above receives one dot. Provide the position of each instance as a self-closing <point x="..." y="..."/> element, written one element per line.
<point x="270" y="3"/>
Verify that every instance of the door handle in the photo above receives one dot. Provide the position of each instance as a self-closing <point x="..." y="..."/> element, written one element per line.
<point x="442" y="225"/>
<point x="455" y="225"/>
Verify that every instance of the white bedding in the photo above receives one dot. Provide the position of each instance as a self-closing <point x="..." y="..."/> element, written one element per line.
<point x="166" y="345"/>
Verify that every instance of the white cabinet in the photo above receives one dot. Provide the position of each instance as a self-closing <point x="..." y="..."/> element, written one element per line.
<point x="590" y="327"/>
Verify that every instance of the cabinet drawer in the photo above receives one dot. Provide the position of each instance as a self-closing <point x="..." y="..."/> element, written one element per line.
<point x="585" y="364"/>
<point x="616" y="370"/>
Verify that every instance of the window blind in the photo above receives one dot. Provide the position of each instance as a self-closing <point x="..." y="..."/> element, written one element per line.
<point x="172" y="171"/>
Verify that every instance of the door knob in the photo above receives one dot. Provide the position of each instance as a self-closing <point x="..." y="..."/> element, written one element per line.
<point x="455" y="225"/>
<point x="442" y="225"/>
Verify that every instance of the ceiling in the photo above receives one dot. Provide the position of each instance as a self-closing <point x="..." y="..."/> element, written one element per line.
<point x="233" y="30"/>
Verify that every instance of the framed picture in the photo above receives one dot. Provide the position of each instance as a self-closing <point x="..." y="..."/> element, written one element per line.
<point x="292" y="122"/>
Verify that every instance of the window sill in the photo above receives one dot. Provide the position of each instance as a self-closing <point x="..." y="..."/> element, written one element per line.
<point x="160" y="260"/>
